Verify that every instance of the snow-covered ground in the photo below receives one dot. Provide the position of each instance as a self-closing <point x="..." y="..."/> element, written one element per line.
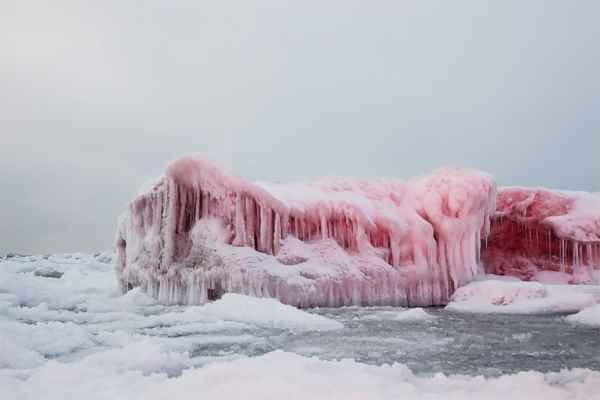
<point x="67" y="333"/>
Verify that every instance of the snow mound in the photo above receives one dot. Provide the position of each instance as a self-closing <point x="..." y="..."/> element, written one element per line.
<point x="266" y="312"/>
<point x="587" y="316"/>
<point x="510" y="297"/>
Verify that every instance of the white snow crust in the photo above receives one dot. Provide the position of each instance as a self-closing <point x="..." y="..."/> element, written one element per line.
<point x="587" y="316"/>
<point x="509" y="296"/>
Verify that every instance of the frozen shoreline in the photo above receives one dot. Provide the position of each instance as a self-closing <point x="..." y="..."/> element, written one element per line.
<point x="66" y="332"/>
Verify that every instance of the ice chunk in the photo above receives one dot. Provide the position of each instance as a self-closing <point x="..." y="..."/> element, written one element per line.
<point x="410" y="315"/>
<point x="509" y="297"/>
<point x="266" y="312"/>
<point x="587" y="316"/>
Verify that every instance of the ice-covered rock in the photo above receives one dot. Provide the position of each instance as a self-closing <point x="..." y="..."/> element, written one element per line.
<point x="201" y="232"/>
<point x="544" y="230"/>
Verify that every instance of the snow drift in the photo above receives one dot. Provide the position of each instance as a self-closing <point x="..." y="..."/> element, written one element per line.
<point x="201" y="232"/>
<point x="544" y="230"/>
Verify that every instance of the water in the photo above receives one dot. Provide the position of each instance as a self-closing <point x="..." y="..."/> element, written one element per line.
<point x="452" y="343"/>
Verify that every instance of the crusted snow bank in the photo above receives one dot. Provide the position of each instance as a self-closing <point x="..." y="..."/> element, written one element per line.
<point x="139" y="373"/>
<point x="201" y="232"/>
<point x="587" y="316"/>
<point x="513" y="297"/>
<point x="545" y="230"/>
<point x="285" y="375"/>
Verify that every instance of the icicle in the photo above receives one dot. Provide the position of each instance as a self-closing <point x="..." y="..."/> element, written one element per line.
<point x="276" y="233"/>
<point x="324" y="227"/>
<point x="240" y="224"/>
<point x="562" y="255"/>
<point x="250" y="214"/>
<point x="549" y="245"/>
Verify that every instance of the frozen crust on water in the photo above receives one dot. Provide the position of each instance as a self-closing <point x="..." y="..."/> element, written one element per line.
<point x="202" y="231"/>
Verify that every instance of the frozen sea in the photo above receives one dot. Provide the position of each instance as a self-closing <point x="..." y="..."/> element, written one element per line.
<point x="66" y="332"/>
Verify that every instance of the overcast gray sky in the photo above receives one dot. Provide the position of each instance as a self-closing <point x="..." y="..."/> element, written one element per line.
<point x="97" y="97"/>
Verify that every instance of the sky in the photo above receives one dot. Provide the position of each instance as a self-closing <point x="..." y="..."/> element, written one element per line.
<point x="96" y="98"/>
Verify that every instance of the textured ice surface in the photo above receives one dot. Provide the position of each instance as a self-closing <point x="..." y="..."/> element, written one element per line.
<point x="545" y="230"/>
<point x="77" y="337"/>
<point x="201" y="232"/>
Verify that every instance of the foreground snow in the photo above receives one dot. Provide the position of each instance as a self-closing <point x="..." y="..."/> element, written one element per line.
<point x="66" y="332"/>
<point x="135" y="375"/>
<point x="494" y="294"/>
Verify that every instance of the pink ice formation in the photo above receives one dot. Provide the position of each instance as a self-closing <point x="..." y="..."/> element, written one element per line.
<point x="537" y="230"/>
<point x="201" y="232"/>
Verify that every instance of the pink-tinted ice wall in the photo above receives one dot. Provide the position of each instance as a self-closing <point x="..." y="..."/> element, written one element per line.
<point x="432" y="224"/>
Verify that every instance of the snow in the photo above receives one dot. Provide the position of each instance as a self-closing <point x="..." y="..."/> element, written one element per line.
<point x="78" y="337"/>
<point x="515" y="297"/>
<point x="43" y="317"/>
<point x="202" y="231"/>
<point x="266" y="312"/>
<point x="587" y="316"/>
<point x="134" y="375"/>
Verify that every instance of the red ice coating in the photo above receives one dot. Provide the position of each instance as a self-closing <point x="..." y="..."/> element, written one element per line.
<point x="544" y="230"/>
